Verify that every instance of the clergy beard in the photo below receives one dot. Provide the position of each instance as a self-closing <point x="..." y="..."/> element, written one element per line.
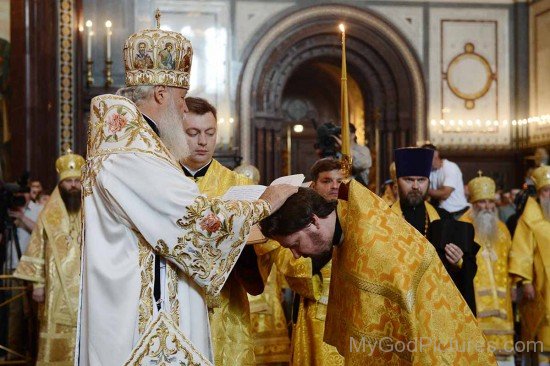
<point x="485" y="224"/>
<point x="545" y="206"/>
<point x="171" y="131"/>
<point x="71" y="198"/>
<point x="413" y="198"/>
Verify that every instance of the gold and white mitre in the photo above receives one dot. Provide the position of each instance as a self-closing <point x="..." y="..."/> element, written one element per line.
<point x="158" y="57"/>
<point x="69" y="165"/>
<point x="541" y="176"/>
<point x="481" y="188"/>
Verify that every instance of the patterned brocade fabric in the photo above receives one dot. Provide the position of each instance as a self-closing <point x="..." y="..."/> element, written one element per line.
<point x="391" y="300"/>
<point x="530" y="260"/>
<point x="308" y="347"/>
<point x="230" y="318"/>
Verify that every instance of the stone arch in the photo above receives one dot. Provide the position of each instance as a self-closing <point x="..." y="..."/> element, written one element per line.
<point x="379" y="58"/>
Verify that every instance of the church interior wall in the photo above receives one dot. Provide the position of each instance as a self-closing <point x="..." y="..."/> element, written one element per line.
<point x="224" y="33"/>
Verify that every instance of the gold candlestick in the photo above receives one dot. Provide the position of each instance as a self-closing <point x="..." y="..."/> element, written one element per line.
<point x="108" y="73"/>
<point x="346" y="148"/>
<point x="89" y="74"/>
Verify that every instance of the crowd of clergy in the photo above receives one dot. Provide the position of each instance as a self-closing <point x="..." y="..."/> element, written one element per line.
<point x="137" y="258"/>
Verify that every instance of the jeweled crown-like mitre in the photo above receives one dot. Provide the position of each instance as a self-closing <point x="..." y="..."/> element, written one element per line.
<point x="69" y="165"/>
<point x="158" y="57"/>
<point x="481" y="188"/>
<point x="541" y="176"/>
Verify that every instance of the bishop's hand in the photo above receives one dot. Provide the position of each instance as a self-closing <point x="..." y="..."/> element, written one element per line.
<point x="277" y="195"/>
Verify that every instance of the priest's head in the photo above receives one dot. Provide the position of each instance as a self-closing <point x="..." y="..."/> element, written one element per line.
<point x="159" y="92"/>
<point x="69" y="168"/>
<point x="305" y="224"/>
<point x="541" y="177"/>
<point x="412" y="168"/>
<point x="201" y="128"/>
<point x="326" y="177"/>
<point x="484" y="211"/>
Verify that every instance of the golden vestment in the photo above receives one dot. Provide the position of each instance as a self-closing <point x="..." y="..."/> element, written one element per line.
<point x="530" y="260"/>
<point x="269" y="326"/>
<point x="392" y="302"/>
<point x="230" y="318"/>
<point x="52" y="260"/>
<point x="493" y="291"/>
<point x="308" y="347"/>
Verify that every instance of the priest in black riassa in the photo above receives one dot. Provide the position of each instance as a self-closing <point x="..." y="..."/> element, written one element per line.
<point x="454" y="241"/>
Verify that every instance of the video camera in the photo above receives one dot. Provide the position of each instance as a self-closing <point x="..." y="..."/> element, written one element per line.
<point x="326" y="143"/>
<point x="11" y="197"/>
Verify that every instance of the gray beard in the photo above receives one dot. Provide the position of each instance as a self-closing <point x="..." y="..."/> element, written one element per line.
<point x="485" y="224"/>
<point x="545" y="206"/>
<point x="171" y="131"/>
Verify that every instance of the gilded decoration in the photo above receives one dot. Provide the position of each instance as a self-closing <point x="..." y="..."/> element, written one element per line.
<point x="208" y="224"/>
<point x="158" y="57"/>
<point x="146" y="268"/>
<point x="163" y="344"/>
<point x="172" y="284"/>
<point x="116" y="126"/>
<point x="66" y="75"/>
<point x="458" y="65"/>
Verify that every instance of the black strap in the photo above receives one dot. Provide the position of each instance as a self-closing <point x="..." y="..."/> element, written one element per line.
<point x="156" y="290"/>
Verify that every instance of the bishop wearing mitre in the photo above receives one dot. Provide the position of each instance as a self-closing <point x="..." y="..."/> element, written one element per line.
<point x="154" y="247"/>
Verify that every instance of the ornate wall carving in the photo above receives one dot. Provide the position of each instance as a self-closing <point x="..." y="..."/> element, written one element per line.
<point x="66" y="68"/>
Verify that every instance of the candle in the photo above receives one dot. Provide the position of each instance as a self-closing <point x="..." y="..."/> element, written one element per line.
<point x="89" y="43"/>
<point x="346" y="150"/>
<point x="108" y="25"/>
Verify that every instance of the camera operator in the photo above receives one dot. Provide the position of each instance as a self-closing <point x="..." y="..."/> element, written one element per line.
<point x="24" y="213"/>
<point x="329" y="144"/>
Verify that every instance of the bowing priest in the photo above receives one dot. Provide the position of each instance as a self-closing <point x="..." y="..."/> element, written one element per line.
<point x="530" y="265"/>
<point x="308" y="347"/>
<point x="52" y="263"/>
<point x="492" y="284"/>
<point x="154" y="246"/>
<point x="413" y="166"/>
<point x="391" y="300"/>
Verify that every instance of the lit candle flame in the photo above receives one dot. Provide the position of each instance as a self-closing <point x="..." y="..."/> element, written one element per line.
<point x="342" y="27"/>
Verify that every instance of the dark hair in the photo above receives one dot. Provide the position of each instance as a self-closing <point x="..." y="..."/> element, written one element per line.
<point x="324" y="165"/>
<point x="200" y="106"/>
<point x="297" y="213"/>
<point x="429" y="146"/>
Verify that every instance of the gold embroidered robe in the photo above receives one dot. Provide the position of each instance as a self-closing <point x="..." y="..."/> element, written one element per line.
<point x="269" y="326"/>
<point x="52" y="260"/>
<point x="530" y="260"/>
<point x="390" y="293"/>
<point x="230" y="318"/>
<point x="308" y="347"/>
<point x="493" y="290"/>
<point x="137" y="204"/>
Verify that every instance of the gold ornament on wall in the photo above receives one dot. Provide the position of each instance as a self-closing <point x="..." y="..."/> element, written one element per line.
<point x="469" y="60"/>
